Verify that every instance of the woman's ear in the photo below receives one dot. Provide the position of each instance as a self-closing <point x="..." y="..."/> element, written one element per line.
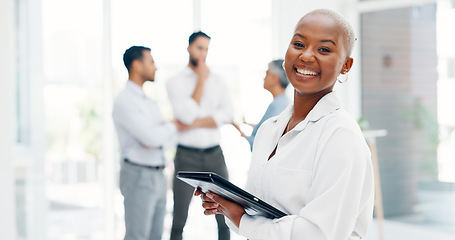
<point x="347" y="65"/>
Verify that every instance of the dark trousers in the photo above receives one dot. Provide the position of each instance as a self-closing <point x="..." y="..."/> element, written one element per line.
<point x="211" y="160"/>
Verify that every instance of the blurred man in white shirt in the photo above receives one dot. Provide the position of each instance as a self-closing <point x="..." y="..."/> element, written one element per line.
<point x="142" y="133"/>
<point x="201" y="104"/>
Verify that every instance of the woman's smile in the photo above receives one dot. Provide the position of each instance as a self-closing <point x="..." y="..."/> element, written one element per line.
<point x="304" y="72"/>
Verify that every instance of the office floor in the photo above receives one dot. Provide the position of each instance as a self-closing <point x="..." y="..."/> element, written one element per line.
<point x="436" y="220"/>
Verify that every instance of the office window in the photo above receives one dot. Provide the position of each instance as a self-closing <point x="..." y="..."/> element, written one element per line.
<point x="22" y="78"/>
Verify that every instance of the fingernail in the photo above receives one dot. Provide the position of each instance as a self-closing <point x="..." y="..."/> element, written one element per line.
<point x="209" y="195"/>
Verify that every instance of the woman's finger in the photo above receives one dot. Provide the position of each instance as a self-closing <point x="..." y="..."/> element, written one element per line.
<point x="210" y="205"/>
<point x="218" y="199"/>
<point x="210" y="212"/>
<point x="198" y="192"/>
<point x="206" y="199"/>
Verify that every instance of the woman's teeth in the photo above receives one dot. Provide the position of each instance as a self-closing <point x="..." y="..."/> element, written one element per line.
<point x="307" y="72"/>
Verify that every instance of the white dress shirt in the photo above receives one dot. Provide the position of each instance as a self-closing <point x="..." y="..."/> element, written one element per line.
<point x="140" y="127"/>
<point x="215" y="103"/>
<point x="321" y="175"/>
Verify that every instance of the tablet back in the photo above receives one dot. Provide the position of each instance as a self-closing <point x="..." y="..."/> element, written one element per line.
<point x="211" y="182"/>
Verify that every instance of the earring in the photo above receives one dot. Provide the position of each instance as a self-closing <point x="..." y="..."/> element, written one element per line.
<point x="283" y="65"/>
<point x="347" y="77"/>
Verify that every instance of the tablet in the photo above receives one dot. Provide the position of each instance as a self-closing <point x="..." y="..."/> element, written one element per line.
<point x="211" y="182"/>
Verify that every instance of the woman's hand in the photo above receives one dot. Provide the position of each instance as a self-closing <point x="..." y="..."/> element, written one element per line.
<point x="214" y="204"/>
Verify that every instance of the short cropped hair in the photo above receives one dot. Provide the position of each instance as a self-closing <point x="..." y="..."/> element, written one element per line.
<point x="196" y="35"/>
<point x="277" y="68"/>
<point x="133" y="53"/>
<point x="348" y="31"/>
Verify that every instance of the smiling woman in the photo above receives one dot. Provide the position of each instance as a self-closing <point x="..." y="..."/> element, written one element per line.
<point x="315" y="58"/>
<point x="318" y="53"/>
<point x="311" y="161"/>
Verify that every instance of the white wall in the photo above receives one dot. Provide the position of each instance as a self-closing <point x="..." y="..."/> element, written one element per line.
<point x="7" y="200"/>
<point x="34" y="154"/>
<point x="28" y="158"/>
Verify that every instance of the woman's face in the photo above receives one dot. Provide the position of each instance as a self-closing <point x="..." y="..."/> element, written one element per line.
<point x="316" y="55"/>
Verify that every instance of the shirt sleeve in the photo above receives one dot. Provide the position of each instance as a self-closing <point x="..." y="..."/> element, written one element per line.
<point x="185" y="108"/>
<point x="224" y="113"/>
<point x="148" y="132"/>
<point x="342" y="188"/>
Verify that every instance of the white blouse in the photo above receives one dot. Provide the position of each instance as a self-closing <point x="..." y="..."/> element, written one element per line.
<point x="321" y="175"/>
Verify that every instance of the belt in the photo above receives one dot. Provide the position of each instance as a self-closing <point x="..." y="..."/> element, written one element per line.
<point x="199" y="150"/>
<point x="144" y="166"/>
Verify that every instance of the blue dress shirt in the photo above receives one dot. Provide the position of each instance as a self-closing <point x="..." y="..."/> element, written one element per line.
<point x="278" y="104"/>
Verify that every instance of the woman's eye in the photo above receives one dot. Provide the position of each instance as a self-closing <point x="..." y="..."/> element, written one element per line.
<point x="325" y="50"/>
<point x="299" y="45"/>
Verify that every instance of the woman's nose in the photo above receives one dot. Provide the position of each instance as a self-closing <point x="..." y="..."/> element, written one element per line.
<point x="307" y="56"/>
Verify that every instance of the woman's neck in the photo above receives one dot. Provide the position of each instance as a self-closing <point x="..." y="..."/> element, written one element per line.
<point x="303" y="104"/>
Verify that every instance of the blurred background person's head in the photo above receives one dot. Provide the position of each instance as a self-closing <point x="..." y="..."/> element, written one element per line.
<point x="198" y="46"/>
<point x="140" y="64"/>
<point x="275" y="80"/>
